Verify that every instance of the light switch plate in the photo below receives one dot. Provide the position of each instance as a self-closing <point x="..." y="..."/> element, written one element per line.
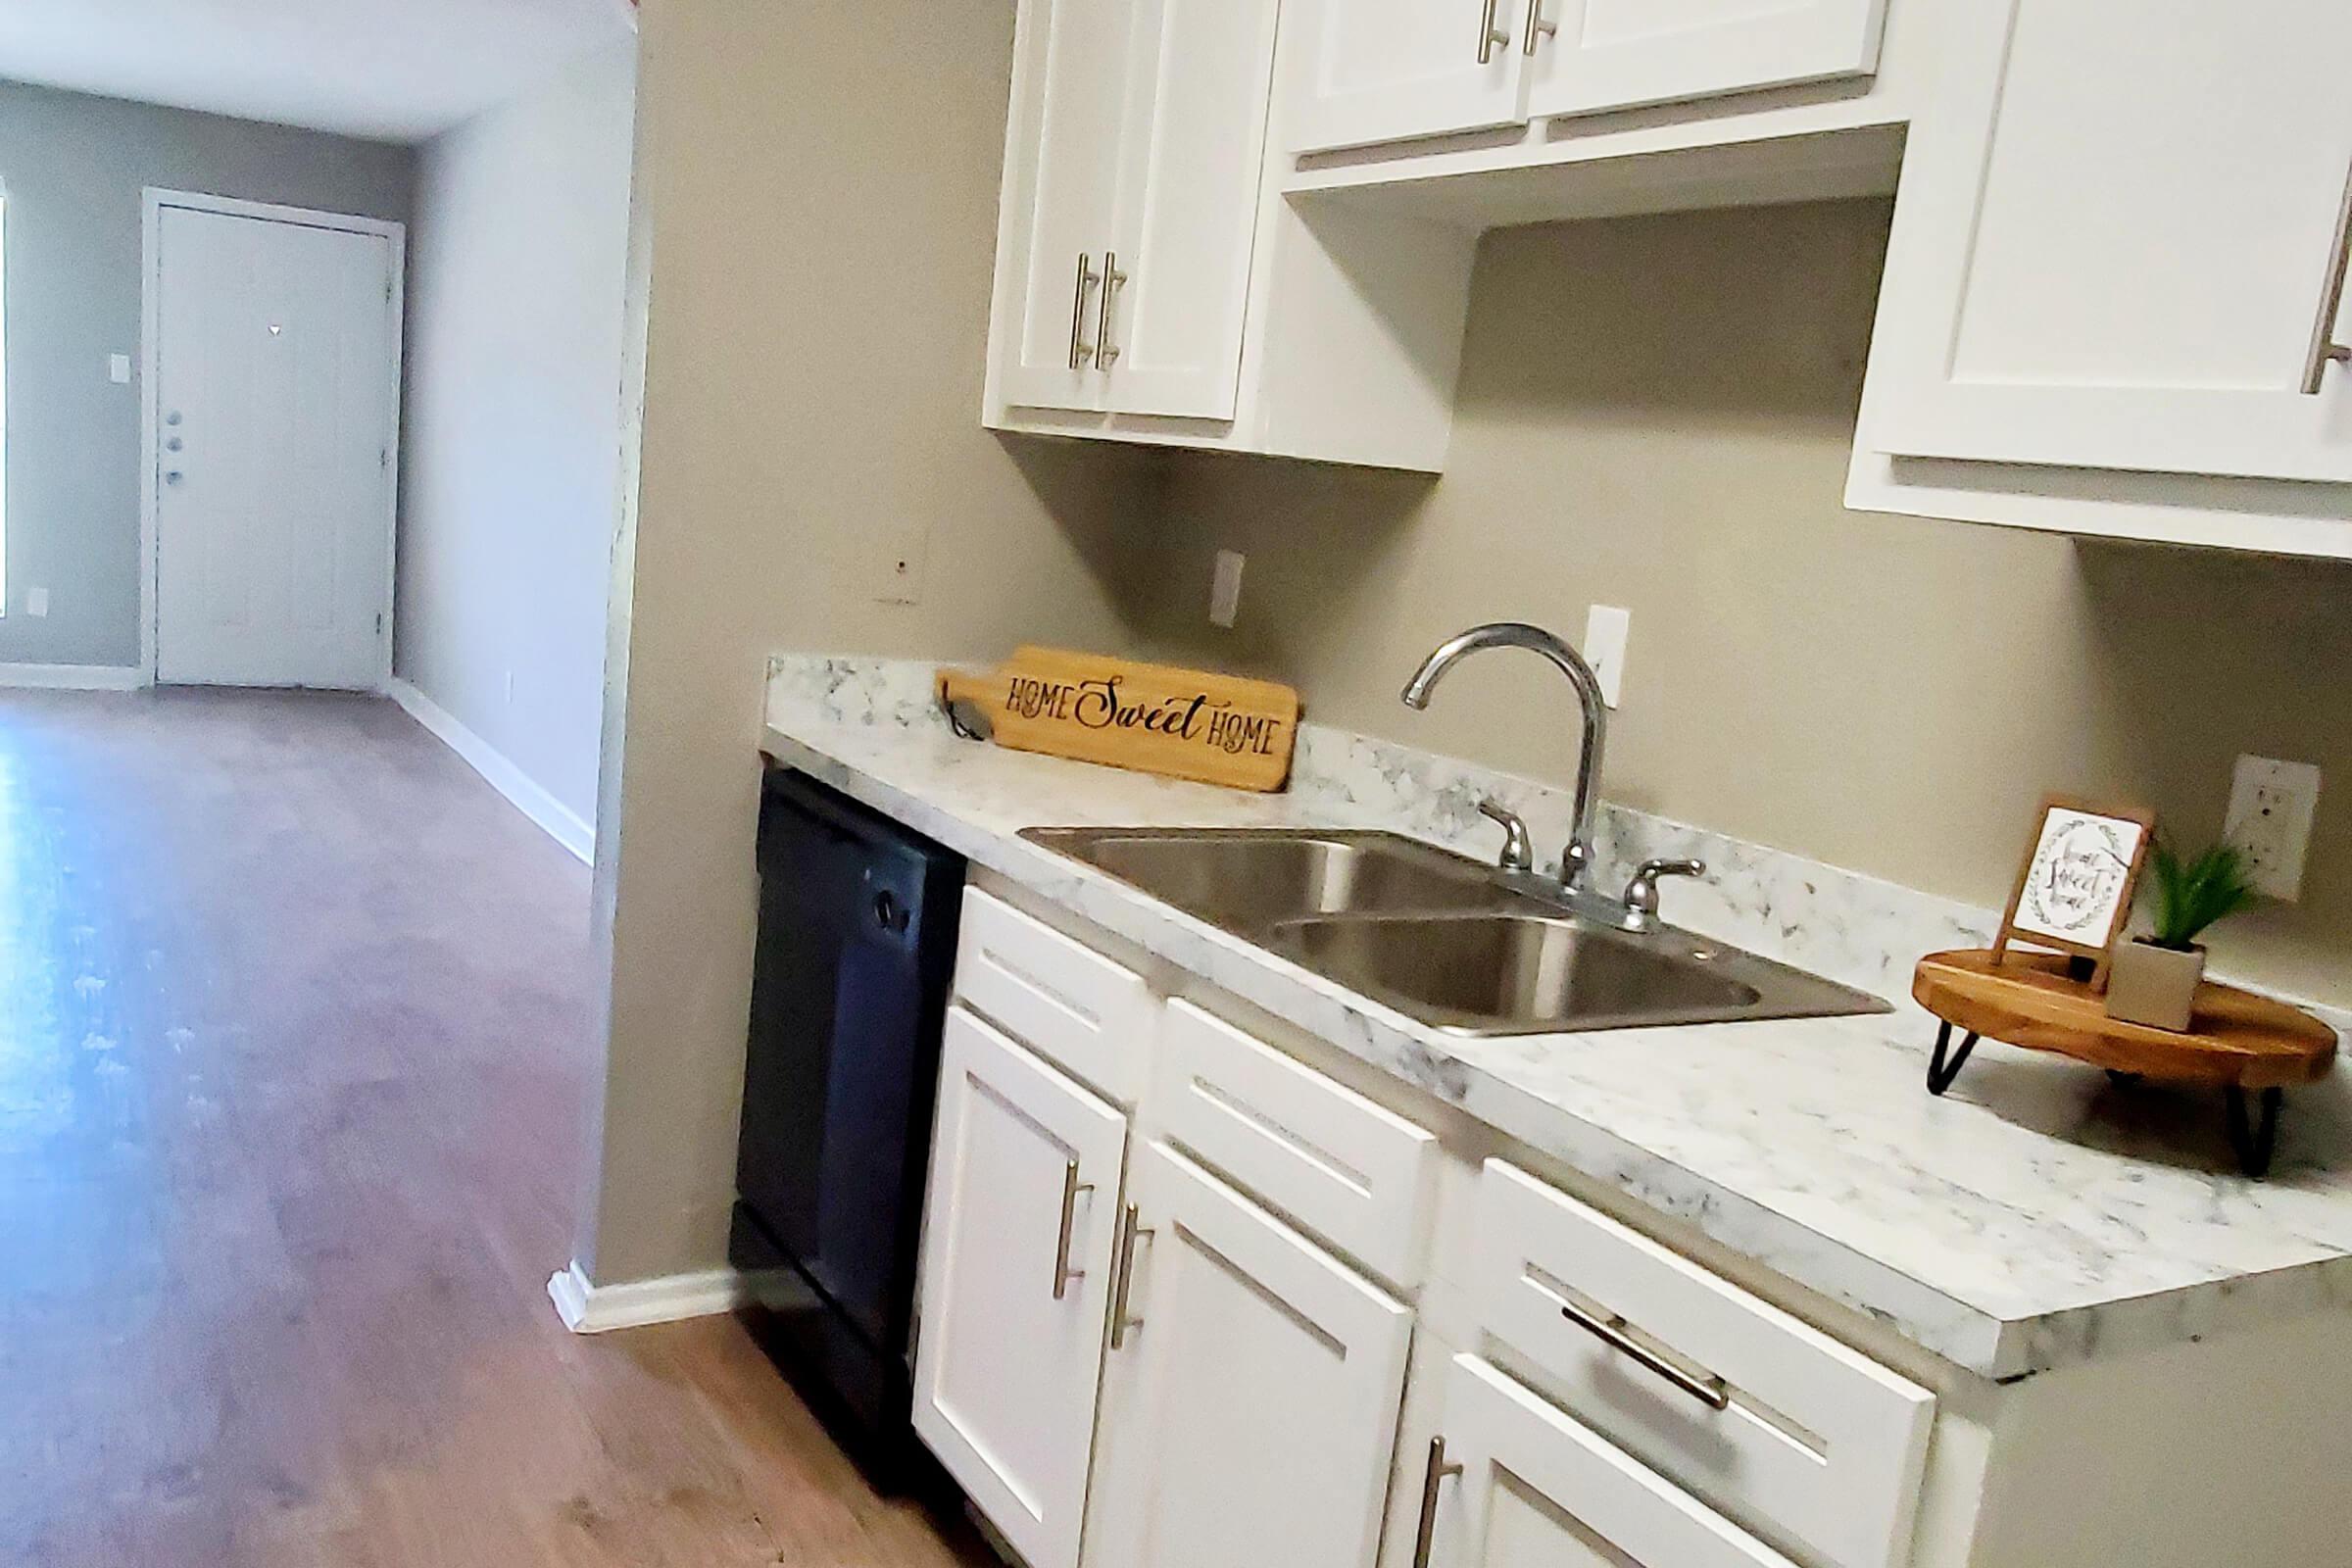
<point x="2271" y="805"/>
<point x="117" y="368"/>
<point x="1606" y="631"/>
<point x="36" y="602"/>
<point x="1225" y="594"/>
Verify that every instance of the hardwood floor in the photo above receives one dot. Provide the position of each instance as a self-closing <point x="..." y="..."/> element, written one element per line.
<point x="294" y="1056"/>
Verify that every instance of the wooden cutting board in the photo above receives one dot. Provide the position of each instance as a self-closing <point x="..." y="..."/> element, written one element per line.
<point x="1153" y="718"/>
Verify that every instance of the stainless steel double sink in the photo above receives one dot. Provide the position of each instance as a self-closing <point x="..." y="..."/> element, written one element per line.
<point x="1442" y="938"/>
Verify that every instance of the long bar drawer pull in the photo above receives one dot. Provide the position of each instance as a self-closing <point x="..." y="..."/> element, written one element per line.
<point x="1082" y="353"/>
<point x="1432" y="1478"/>
<point x="1488" y="35"/>
<point x="1071" y="1187"/>
<point x="1121" y="1320"/>
<point x="2325" y="349"/>
<point x="1106" y="353"/>
<point x="1713" y="1393"/>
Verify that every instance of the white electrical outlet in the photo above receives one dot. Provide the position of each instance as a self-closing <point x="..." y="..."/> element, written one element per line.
<point x="1225" y="594"/>
<point x="117" y="368"/>
<point x="2271" y="807"/>
<point x="36" y="602"/>
<point x="1606" y="629"/>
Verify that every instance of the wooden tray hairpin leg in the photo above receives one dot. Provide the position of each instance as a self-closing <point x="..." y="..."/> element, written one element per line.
<point x="1940" y="1072"/>
<point x="2253" y="1139"/>
<point x="2255" y="1145"/>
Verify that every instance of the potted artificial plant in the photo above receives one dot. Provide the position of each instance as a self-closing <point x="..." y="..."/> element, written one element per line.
<point x="2155" y="977"/>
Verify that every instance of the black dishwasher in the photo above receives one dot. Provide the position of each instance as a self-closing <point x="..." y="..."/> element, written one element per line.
<point x="857" y="948"/>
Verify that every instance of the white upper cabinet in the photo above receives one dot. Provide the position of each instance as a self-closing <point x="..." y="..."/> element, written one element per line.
<point x="1070" y="96"/>
<point x="1587" y="55"/>
<point x="2121" y="243"/>
<point x="1136" y="139"/>
<point x="1191" y="154"/>
<point x="1391" y="69"/>
<point x="1250" y="1404"/>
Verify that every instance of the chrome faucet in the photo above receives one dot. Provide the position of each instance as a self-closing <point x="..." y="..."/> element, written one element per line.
<point x="1576" y="864"/>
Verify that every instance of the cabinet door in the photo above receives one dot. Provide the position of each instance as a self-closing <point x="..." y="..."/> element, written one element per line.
<point x="1537" y="1489"/>
<point x="1016" y="1277"/>
<point x="1251" y="1408"/>
<point x="2119" y="239"/>
<point x="1191" y="160"/>
<point x="1618" y="53"/>
<point x="1069" y="91"/>
<point x="1380" y="70"/>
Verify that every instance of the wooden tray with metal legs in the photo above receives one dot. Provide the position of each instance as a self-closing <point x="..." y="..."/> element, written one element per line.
<point x="2239" y="1042"/>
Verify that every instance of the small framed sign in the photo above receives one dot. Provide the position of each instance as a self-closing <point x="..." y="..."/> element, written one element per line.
<point x="2081" y="869"/>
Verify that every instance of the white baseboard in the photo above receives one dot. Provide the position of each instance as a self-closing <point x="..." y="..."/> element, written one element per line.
<point x="588" y="1308"/>
<point x="558" y="820"/>
<point x="74" y="677"/>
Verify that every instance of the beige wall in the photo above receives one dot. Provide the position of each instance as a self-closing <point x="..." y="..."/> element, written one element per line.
<point x="1657" y="413"/>
<point x="511" y="449"/>
<point x="816" y="203"/>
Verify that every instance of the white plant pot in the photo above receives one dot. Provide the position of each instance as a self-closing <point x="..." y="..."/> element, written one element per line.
<point x="2155" y="985"/>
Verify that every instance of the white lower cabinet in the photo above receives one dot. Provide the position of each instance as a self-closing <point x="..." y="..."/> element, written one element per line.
<point x="1534" y="1488"/>
<point x="1025" y="1169"/>
<point x="1201" y="1357"/>
<point x="1250" y="1401"/>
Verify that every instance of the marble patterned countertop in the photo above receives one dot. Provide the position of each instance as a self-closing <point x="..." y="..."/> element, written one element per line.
<point x="2035" y="1217"/>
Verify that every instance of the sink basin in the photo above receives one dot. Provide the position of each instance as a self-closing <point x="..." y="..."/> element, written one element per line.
<point x="1441" y="938"/>
<point x="1500" y="974"/>
<point x="1248" y="879"/>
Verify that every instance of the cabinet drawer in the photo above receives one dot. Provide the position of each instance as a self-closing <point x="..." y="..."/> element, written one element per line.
<point x="1064" y="1001"/>
<point x="1538" y="1487"/>
<point x="1354" y="1173"/>
<point x="1767" y="1418"/>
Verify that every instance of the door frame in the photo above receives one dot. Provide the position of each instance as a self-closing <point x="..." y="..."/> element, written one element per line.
<point x="154" y="200"/>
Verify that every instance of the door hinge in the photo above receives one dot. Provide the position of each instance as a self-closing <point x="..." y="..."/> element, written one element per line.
<point x="379" y="625"/>
<point x="384" y="460"/>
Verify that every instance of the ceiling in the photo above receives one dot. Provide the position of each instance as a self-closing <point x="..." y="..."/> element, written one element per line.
<point x="387" y="70"/>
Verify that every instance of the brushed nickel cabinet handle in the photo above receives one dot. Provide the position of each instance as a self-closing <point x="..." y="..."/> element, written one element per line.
<point x="1106" y="353"/>
<point x="1121" y="1320"/>
<point x="2325" y="349"/>
<point x="1713" y="1393"/>
<point x="1071" y="1187"/>
<point x="1488" y="35"/>
<point x="1538" y="28"/>
<point x="1432" y="1477"/>
<point x="1082" y="353"/>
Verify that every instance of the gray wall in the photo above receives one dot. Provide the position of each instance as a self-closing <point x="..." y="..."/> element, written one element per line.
<point x="516" y="269"/>
<point x="73" y="169"/>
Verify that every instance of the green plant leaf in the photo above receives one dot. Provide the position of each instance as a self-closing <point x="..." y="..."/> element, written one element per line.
<point x="2194" y="895"/>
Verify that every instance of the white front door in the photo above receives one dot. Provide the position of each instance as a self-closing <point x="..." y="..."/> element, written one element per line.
<point x="275" y="399"/>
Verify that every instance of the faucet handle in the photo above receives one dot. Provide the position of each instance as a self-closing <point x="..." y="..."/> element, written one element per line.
<point x="1641" y="893"/>
<point x="1518" y="850"/>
